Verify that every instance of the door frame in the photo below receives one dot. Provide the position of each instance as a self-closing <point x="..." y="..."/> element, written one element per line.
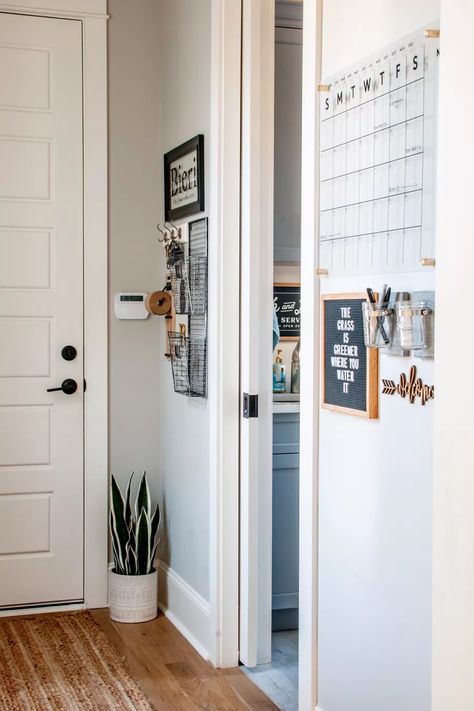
<point x="224" y="329"/>
<point x="224" y="332"/>
<point x="310" y="359"/>
<point x="93" y="16"/>
<point x="256" y="270"/>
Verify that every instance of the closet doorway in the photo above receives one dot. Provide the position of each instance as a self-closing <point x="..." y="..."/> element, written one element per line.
<point x="241" y="463"/>
<point x="271" y="229"/>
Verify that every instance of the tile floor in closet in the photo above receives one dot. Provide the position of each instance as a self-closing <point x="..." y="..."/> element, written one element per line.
<point x="279" y="680"/>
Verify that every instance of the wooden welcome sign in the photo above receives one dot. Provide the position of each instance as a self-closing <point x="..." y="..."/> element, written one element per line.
<point x="410" y="387"/>
<point x="349" y="375"/>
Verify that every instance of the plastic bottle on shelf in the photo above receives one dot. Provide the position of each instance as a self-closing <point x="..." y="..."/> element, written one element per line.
<point x="295" y="370"/>
<point x="279" y="374"/>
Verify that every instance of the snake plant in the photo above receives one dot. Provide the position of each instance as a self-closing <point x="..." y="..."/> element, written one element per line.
<point x="134" y="532"/>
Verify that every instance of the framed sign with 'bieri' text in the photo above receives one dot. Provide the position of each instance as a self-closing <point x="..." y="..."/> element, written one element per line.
<point x="184" y="179"/>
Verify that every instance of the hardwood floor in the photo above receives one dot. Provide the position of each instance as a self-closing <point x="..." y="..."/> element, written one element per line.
<point x="174" y="675"/>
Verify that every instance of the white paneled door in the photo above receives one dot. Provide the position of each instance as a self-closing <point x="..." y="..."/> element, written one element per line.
<point x="41" y="311"/>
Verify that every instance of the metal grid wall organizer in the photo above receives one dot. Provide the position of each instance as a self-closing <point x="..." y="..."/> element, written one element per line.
<point x="189" y="285"/>
<point x="188" y="361"/>
<point x="189" y="288"/>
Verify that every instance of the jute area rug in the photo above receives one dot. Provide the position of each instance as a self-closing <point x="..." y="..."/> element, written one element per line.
<point x="63" y="662"/>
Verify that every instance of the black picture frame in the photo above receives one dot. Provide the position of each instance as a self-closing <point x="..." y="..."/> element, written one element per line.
<point x="195" y="146"/>
<point x="287" y="304"/>
<point x="357" y="395"/>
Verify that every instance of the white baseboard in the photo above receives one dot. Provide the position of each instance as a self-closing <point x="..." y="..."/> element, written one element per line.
<point x="185" y="608"/>
<point x="285" y="601"/>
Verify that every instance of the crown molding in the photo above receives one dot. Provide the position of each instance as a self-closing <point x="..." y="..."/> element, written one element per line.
<point x="74" y="9"/>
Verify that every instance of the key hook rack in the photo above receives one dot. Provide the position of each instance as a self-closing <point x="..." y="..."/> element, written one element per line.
<point x="169" y="234"/>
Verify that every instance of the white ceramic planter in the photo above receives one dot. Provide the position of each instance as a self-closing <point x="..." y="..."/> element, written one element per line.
<point x="133" y="598"/>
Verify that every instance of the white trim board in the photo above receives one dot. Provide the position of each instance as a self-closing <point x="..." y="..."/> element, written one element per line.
<point x="256" y="284"/>
<point x="79" y="9"/>
<point x="309" y="401"/>
<point x="95" y="311"/>
<point x="453" y="485"/>
<point x="185" y="608"/>
<point x="224" y="323"/>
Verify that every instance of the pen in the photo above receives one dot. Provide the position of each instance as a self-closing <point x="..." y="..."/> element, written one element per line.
<point x="373" y="303"/>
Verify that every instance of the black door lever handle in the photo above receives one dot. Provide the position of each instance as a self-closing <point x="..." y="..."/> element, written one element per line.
<point x="68" y="387"/>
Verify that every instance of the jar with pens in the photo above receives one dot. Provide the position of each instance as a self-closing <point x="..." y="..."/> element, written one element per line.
<point x="401" y="326"/>
<point x="378" y="319"/>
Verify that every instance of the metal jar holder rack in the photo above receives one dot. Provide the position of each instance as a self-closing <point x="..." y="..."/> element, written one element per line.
<point x="189" y="288"/>
<point x="403" y="326"/>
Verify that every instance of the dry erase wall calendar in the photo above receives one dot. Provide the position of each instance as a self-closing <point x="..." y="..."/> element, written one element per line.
<point x="377" y="168"/>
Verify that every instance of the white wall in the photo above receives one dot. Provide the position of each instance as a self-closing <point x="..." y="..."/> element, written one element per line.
<point x="159" y="96"/>
<point x="453" y="520"/>
<point x="375" y="504"/>
<point x="181" y="431"/>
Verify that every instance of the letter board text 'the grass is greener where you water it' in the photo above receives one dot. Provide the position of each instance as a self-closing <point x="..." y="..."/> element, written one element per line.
<point x="349" y="369"/>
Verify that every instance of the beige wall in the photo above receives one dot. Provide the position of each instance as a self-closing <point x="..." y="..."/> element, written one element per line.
<point x="159" y="96"/>
<point x="134" y="197"/>
<point x="182" y="432"/>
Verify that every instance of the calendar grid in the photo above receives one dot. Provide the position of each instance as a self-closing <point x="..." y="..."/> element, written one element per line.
<point x="373" y="137"/>
<point x="423" y="169"/>
<point x="379" y="130"/>
<point x="413" y="81"/>
<point x="384" y="197"/>
<point x="368" y="234"/>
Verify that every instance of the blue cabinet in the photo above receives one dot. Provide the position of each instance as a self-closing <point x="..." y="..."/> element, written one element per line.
<point x="285" y="538"/>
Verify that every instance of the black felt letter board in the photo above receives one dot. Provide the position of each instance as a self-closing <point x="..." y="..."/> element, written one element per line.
<point x="349" y="369"/>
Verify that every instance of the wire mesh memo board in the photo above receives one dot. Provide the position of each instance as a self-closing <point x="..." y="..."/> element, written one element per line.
<point x="189" y="288"/>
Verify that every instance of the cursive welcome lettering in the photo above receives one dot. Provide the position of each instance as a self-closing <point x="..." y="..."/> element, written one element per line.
<point x="410" y="388"/>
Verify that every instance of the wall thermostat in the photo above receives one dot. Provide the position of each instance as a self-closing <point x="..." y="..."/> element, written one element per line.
<point x="130" y="305"/>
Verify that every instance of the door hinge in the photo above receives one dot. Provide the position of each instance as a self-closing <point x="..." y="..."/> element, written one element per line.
<point x="250" y="406"/>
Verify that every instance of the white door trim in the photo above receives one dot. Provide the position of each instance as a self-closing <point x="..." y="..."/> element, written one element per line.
<point x="453" y="485"/>
<point x="310" y="353"/>
<point x="224" y="332"/>
<point x="256" y="268"/>
<point x="92" y="13"/>
<point x="78" y="9"/>
<point x="224" y="325"/>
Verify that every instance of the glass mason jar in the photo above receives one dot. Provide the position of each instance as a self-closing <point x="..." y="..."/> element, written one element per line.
<point x="411" y="323"/>
<point x="378" y="326"/>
